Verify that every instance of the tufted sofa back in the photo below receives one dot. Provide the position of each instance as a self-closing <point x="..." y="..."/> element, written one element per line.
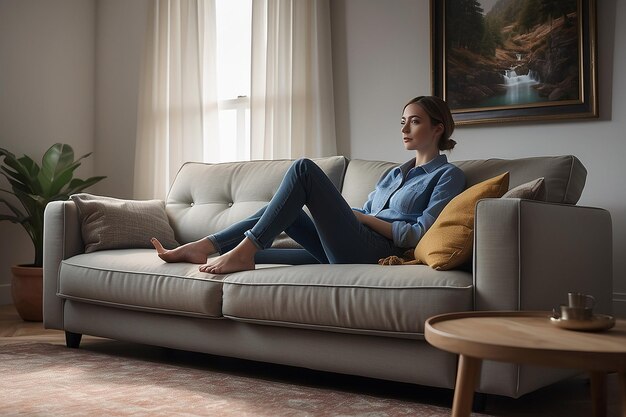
<point x="564" y="175"/>
<point x="206" y="198"/>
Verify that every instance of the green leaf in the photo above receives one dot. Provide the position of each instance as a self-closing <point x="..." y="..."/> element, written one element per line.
<point x="16" y="185"/>
<point x="78" y="185"/>
<point x="62" y="179"/>
<point x="12" y="219"/>
<point x="36" y="186"/>
<point x="12" y="207"/>
<point x="6" y="154"/>
<point x="9" y="173"/>
<point x="6" y="191"/>
<point x="32" y="203"/>
<point x="17" y="173"/>
<point x="54" y="162"/>
<point x="9" y="159"/>
<point x="84" y="156"/>
<point x="30" y="165"/>
<point x="14" y="174"/>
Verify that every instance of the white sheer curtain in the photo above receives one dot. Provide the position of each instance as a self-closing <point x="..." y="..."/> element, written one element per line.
<point x="291" y="103"/>
<point x="291" y="100"/>
<point x="177" y="115"/>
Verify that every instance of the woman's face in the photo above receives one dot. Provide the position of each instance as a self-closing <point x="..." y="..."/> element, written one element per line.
<point x="418" y="133"/>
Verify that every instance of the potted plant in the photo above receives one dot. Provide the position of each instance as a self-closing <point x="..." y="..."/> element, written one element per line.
<point x="34" y="187"/>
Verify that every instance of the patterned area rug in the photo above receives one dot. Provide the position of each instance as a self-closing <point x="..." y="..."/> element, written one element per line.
<point x="38" y="379"/>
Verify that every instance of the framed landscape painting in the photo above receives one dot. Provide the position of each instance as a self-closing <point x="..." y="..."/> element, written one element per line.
<point x="515" y="60"/>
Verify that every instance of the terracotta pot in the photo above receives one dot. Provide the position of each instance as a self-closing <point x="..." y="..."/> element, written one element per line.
<point x="27" y="292"/>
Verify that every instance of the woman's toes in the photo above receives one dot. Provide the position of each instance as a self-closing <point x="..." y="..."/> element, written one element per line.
<point x="157" y="245"/>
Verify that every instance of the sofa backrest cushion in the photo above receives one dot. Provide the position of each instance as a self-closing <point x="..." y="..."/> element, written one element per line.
<point x="564" y="176"/>
<point x="206" y="198"/>
<point x="361" y="179"/>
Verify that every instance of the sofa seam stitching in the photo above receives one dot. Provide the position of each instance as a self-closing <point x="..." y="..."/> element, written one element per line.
<point x="97" y="268"/>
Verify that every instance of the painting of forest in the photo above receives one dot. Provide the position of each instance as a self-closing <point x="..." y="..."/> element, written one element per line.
<point x="512" y="53"/>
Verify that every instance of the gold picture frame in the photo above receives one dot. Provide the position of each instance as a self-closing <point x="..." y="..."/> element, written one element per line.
<point x="520" y="60"/>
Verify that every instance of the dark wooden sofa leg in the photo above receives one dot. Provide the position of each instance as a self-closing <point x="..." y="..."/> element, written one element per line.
<point x="72" y="340"/>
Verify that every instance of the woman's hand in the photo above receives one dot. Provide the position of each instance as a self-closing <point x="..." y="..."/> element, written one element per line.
<point x="379" y="226"/>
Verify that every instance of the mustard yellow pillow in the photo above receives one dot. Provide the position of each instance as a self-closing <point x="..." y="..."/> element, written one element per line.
<point x="449" y="241"/>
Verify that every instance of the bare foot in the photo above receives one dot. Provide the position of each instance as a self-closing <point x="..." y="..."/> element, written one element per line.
<point x="239" y="259"/>
<point x="193" y="252"/>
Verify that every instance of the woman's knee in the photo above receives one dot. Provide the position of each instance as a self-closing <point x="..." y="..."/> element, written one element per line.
<point x="303" y="163"/>
<point x="303" y="166"/>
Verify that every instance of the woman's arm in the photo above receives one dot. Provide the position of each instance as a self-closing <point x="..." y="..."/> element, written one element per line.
<point x="380" y="226"/>
<point x="406" y="235"/>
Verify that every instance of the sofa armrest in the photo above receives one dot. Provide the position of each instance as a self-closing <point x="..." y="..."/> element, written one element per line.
<point x="61" y="240"/>
<point x="528" y="254"/>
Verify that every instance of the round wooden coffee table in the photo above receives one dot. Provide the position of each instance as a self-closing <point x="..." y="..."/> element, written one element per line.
<point x="530" y="338"/>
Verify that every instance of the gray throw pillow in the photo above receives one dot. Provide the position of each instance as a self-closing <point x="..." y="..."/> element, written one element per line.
<point x="532" y="190"/>
<point x="110" y="223"/>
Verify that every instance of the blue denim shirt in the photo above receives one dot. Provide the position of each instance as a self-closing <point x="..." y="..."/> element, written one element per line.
<point x="411" y="197"/>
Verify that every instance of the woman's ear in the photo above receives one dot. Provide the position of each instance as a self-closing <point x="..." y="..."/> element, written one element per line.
<point x="439" y="129"/>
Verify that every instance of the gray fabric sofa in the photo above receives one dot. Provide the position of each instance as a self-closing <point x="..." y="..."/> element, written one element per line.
<point x="364" y="320"/>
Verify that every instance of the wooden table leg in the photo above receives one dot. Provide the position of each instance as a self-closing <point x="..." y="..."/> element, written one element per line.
<point x="598" y="393"/>
<point x="466" y="380"/>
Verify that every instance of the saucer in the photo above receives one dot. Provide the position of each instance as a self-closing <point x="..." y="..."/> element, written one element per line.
<point x="597" y="323"/>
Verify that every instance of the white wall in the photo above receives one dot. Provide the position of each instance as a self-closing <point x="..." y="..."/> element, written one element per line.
<point x="381" y="59"/>
<point x="46" y="94"/>
<point x="121" y="27"/>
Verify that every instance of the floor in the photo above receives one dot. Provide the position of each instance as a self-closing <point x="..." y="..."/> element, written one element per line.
<point x="569" y="398"/>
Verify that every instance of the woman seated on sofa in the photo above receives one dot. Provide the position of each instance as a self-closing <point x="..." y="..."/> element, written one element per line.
<point x="398" y="212"/>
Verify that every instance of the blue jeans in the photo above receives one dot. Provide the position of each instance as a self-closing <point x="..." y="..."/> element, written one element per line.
<point x="334" y="235"/>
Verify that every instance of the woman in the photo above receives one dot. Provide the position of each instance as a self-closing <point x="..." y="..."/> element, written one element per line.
<point x="398" y="212"/>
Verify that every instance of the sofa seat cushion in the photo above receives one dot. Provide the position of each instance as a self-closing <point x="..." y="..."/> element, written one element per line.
<point x="372" y="299"/>
<point x="138" y="279"/>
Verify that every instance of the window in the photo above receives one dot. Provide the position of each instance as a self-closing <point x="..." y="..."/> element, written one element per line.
<point x="234" y="31"/>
